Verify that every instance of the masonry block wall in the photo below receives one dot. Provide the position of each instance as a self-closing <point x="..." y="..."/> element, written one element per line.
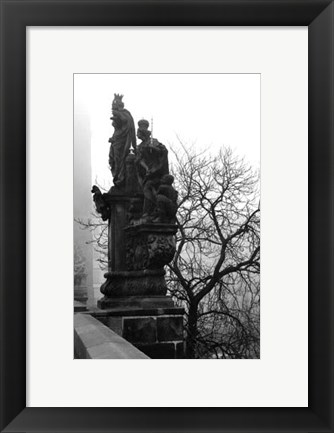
<point x="158" y="332"/>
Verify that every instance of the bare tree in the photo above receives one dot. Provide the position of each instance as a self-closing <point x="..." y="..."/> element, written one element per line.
<point x="99" y="230"/>
<point x="215" y="271"/>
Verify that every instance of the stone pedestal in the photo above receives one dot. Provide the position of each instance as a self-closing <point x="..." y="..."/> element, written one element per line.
<point x="137" y="255"/>
<point x="157" y="332"/>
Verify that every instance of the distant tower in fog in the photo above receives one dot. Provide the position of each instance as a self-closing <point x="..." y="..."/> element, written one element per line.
<point x="82" y="198"/>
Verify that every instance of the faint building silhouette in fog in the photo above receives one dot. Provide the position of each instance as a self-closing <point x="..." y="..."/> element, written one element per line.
<point x="83" y="203"/>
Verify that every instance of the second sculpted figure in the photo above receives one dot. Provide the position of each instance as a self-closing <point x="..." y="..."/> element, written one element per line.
<point x="166" y="199"/>
<point x="153" y="174"/>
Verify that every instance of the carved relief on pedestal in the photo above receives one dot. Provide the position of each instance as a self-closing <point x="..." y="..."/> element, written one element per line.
<point x="150" y="246"/>
<point x="137" y="256"/>
<point x="161" y="249"/>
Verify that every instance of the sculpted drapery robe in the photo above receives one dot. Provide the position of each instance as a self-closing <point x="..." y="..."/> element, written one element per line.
<point x="121" y="141"/>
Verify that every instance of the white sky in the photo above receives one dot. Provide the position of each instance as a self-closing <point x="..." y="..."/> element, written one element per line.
<point x="204" y="110"/>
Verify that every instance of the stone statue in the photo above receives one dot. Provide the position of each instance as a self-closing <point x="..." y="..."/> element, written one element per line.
<point x="166" y="199"/>
<point x="101" y="205"/>
<point x="152" y="165"/>
<point x="123" y="139"/>
<point x="141" y="212"/>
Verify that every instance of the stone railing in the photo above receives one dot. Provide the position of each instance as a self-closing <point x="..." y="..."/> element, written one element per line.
<point x="93" y="340"/>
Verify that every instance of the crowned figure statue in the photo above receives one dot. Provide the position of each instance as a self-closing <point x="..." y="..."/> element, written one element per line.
<point x="123" y="139"/>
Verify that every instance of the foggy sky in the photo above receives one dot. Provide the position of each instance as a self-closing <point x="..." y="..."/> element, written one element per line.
<point x="207" y="111"/>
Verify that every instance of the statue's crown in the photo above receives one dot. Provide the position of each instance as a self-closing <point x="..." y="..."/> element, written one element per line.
<point x="118" y="97"/>
<point x="117" y="103"/>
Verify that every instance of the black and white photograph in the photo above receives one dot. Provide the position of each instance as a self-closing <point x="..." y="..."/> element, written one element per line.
<point x="166" y="216"/>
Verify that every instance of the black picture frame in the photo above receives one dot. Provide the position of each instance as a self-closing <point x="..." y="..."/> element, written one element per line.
<point x="16" y="15"/>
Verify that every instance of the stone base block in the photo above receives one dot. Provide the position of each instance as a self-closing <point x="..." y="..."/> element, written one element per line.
<point x="158" y="332"/>
<point x="135" y="302"/>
